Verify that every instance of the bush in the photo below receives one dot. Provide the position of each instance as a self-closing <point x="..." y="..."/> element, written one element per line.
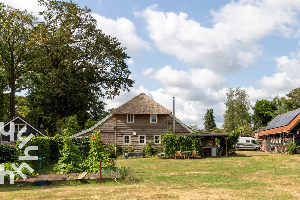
<point x="8" y="153"/>
<point x="292" y="148"/>
<point x="149" y="150"/>
<point x="97" y="153"/>
<point x="110" y="150"/>
<point x="43" y="151"/>
<point x="70" y="160"/>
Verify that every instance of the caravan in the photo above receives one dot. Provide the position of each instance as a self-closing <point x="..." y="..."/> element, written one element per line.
<point x="247" y="143"/>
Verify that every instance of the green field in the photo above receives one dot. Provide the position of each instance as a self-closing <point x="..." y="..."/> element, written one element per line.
<point x="248" y="175"/>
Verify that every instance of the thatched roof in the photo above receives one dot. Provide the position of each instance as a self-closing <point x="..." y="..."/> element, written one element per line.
<point x="141" y="104"/>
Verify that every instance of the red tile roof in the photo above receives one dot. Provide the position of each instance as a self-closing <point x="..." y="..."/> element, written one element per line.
<point x="281" y="129"/>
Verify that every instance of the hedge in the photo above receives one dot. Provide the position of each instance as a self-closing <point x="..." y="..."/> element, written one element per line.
<point x="8" y="153"/>
<point x="49" y="149"/>
<point x="173" y="142"/>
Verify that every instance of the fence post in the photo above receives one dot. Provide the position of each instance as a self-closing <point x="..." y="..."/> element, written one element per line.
<point x="100" y="171"/>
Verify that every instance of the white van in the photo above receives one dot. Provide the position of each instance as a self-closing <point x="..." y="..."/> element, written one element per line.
<point x="247" y="143"/>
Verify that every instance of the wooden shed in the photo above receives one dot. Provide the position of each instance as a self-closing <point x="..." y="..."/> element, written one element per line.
<point x="280" y="131"/>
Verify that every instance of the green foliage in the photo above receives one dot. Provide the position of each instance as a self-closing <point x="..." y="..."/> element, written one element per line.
<point x="76" y="64"/>
<point x="43" y="151"/>
<point x="292" y="148"/>
<point x="70" y="126"/>
<point x="90" y="122"/>
<point x="97" y="154"/>
<point x="209" y="120"/>
<point x="237" y="114"/>
<point x="294" y="98"/>
<point x="15" y="53"/>
<point x="149" y="150"/>
<point x="25" y="171"/>
<point x="263" y="112"/>
<point x="110" y="150"/>
<point x="174" y="142"/>
<point x="283" y="105"/>
<point x="8" y="153"/>
<point x="231" y="141"/>
<point x="70" y="160"/>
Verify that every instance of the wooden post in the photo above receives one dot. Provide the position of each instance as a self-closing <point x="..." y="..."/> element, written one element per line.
<point x="226" y="146"/>
<point x="174" y="115"/>
<point x="100" y="171"/>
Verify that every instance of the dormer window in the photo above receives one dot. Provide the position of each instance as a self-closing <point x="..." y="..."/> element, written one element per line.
<point x="153" y="118"/>
<point x="130" y="118"/>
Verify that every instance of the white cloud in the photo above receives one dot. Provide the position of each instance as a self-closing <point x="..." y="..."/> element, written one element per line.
<point x="279" y="83"/>
<point x="287" y="77"/>
<point x="130" y="62"/>
<point x="32" y="6"/>
<point x="231" y="43"/>
<point x="290" y="66"/>
<point x="124" y="30"/>
<point x="191" y="79"/>
<point x="148" y="71"/>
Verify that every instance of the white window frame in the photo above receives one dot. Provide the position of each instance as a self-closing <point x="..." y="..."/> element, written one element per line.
<point x="18" y="125"/>
<point x="151" y="119"/>
<point x="159" y="140"/>
<point x="144" y="139"/>
<point x="132" y="120"/>
<point x="124" y="139"/>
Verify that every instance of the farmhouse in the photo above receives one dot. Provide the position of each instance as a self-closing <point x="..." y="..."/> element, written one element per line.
<point x="136" y="123"/>
<point x="19" y="123"/>
<point x="280" y="131"/>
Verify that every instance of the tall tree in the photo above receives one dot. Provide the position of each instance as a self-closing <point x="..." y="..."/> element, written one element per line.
<point x="263" y="113"/>
<point x="237" y="114"/>
<point x="76" y="62"/>
<point x="294" y="98"/>
<point x="15" y="30"/>
<point x="282" y="104"/>
<point x="209" y="120"/>
<point x="4" y="97"/>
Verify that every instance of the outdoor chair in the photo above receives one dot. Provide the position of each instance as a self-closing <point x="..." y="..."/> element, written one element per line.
<point x="195" y="154"/>
<point x="178" y="154"/>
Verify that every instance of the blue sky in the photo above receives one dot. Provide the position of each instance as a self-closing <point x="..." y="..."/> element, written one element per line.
<point x="196" y="49"/>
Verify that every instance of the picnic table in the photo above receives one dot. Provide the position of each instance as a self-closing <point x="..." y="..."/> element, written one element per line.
<point x="186" y="154"/>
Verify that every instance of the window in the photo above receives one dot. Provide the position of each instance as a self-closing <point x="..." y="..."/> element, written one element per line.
<point x="130" y="118"/>
<point x="247" y="141"/>
<point x="142" y="139"/>
<point x="153" y="118"/>
<point x="126" y="139"/>
<point x="18" y="127"/>
<point x="157" y="139"/>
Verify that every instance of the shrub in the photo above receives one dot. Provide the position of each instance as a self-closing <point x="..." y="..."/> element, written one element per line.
<point x="43" y="151"/>
<point x="97" y="153"/>
<point x="292" y="148"/>
<point x="8" y="153"/>
<point x="24" y="170"/>
<point x="149" y="150"/>
<point x="71" y="160"/>
<point x="110" y="150"/>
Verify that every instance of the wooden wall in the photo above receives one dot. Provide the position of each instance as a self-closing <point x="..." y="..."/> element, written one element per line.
<point x="117" y="126"/>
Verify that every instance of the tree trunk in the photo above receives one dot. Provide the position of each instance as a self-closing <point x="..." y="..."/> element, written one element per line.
<point x="1" y="106"/>
<point x="12" y="93"/>
<point x="58" y="124"/>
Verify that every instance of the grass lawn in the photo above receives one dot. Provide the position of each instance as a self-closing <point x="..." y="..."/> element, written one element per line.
<point x="248" y="175"/>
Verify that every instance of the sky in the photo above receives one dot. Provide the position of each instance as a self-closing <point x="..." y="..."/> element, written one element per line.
<point x="194" y="50"/>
